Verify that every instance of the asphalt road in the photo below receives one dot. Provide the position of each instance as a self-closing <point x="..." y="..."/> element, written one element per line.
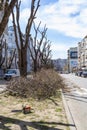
<point x="79" y="81"/>
<point x="77" y="99"/>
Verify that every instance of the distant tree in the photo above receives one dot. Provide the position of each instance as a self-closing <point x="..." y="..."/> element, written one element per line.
<point x="36" y="45"/>
<point x="40" y="48"/>
<point x="11" y="58"/>
<point x="45" y="54"/>
<point x="22" y="41"/>
<point x="6" y="59"/>
<point x="6" y="7"/>
<point x="2" y="47"/>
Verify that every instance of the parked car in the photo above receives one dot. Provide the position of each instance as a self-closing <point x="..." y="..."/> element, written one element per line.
<point x="11" y="73"/>
<point x="84" y="73"/>
<point x="79" y="73"/>
<point x="1" y="73"/>
<point x="76" y="73"/>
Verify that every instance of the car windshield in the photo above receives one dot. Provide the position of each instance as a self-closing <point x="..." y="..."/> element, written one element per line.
<point x="84" y="71"/>
<point x="11" y="71"/>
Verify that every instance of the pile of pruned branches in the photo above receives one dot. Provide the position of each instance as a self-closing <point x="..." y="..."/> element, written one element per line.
<point x="43" y="85"/>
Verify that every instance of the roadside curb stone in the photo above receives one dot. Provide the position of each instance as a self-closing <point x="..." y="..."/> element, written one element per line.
<point x="70" y="119"/>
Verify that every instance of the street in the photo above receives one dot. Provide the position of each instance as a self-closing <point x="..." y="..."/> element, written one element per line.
<point x="77" y="99"/>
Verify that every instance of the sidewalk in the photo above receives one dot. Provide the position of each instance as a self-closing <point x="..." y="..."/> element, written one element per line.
<point x="69" y="114"/>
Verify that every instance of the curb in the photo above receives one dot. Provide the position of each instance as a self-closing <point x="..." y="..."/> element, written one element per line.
<point x="70" y="119"/>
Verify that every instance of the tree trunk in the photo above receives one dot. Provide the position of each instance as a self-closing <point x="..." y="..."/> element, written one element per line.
<point x="5" y="18"/>
<point x="23" y="62"/>
<point x="35" y="65"/>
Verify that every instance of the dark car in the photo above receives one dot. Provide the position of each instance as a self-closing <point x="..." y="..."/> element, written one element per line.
<point x="76" y="73"/>
<point x="11" y="73"/>
<point x="84" y="73"/>
<point x="79" y="73"/>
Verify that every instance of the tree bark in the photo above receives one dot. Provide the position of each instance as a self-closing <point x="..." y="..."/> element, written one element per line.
<point x="23" y="39"/>
<point x="35" y="65"/>
<point x="5" y="18"/>
<point x="23" y="61"/>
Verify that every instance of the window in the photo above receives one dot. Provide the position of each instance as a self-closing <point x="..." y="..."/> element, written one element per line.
<point x="73" y="54"/>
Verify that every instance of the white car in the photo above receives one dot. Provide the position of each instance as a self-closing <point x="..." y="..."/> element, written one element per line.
<point x="10" y="73"/>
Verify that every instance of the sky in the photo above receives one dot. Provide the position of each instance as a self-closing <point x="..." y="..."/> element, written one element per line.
<point x="66" y="21"/>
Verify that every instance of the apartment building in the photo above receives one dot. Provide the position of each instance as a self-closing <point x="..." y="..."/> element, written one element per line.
<point x="72" y="59"/>
<point x="60" y="64"/>
<point x="82" y="53"/>
<point x="12" y="46"/>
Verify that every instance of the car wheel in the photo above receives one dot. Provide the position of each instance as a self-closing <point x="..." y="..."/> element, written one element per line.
<point x="8" y="78"/>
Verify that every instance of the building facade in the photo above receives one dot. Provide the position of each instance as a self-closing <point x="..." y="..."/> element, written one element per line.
<point x="72" y="59"/>
<point x="82" y="53"/>
<point x="12" y="46"/>
<point x="60" y="64"/>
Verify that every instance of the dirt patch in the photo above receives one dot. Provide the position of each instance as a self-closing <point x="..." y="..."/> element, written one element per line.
<point x="45" y="115"/>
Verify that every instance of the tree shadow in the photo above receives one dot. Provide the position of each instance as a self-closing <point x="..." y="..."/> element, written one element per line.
<point x="15" y="111"/>
<point x="53" y="101"/>
<point x="39" y="125"/>
<point x="19" y="111"/>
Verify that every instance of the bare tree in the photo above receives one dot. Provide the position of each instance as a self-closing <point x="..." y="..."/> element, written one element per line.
<point x="6" y="59"/>
<point x="2" y="47"/>
<point x="11" y="58"/>
<point x="23" y="42"/>
<point x="36" y="45"/>
<point x="6" y="7"/>
<point x="45" y="54"/>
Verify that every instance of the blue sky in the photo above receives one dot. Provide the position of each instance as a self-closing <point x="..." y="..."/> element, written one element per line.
<point x="66" y="21"/>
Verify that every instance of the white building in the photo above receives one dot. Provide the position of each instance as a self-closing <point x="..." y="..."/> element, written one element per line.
<point x="11" y="37"/>
<point x="72" y="59"/>
<point x="82" y="53"/>
<point x="59" y="64"/>
<point x="12" y="45"/>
